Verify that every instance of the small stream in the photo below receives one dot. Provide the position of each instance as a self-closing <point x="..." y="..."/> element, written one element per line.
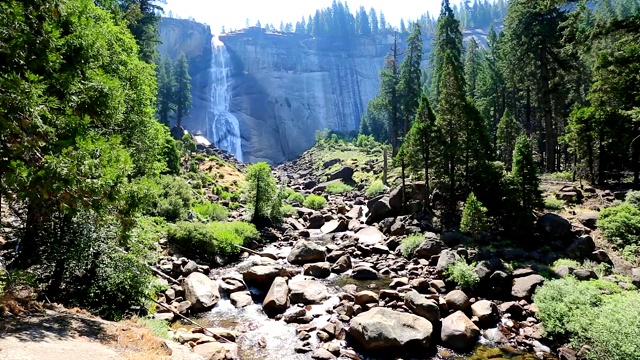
<point x="263" y="338"/>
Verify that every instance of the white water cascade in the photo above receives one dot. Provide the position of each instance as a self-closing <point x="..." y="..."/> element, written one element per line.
<point x="223" y="128"/>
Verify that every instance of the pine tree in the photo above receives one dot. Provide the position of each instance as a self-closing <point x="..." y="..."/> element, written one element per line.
<point x="410" y="83"/>
<point x="472" y="64"/>
<point x="373" y="18"/>
<point x="525" y="176"/>
<point x="490" y="87"/>
<point x="509" y="129"/>
<point x="183" y="99"/>
<point x="474" y="216"/>
<point x="166" y="90"/>
<point x="383" y="23"/>
<point x="261" y="190"/>
<point x="389" y="96"/>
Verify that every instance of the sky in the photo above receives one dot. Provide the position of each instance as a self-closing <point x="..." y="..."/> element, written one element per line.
<point x="232" y="14"/>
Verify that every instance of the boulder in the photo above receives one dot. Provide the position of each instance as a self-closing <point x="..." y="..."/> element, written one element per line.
<point x="457" y="300"/>
<point x="635" y="277"/>
<point x="345" y="174"/>
<point x="316" y="220"/>
<point x="334" y="226"/>
<point x="355" y="212"/>
<point x="429" y="247"/>
<point x="458" y="332"/>
<point x="581" y="247"/>
<point x="189" y="268"/>
<point x="304" y="252"/>
<point x="584" y="274"/>
<point x="601" y="256"/>
<point x="382" y="329"/>
<point x="554" y="225"/>
<point x="217" y="351"/>
<point x="369" y="236"/>
<point x="421" y="306"/>
<point x="380" y="211"/>
<point x="319" y="270"/>
<point x="486" y="311"/>
<point x="447" y="257"/>
<point x="202" y="292"/>
<point x="364" y="273"/>
<point x="277" y="299"/>
<point x="589" y="219"/>
<point x="366" y="297"/>
<point x="241" y="299"/>
<point x="343" y="264"/>
<point x="261" y="277"/>
<point x="307" y="292"/>
<point x="524" y="287"/>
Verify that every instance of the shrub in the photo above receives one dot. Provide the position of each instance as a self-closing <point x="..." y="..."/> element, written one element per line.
<point x="366" y="141"/>
<point x="409" y="244"/>
<point x="474" y="218"/>
<point x="621" y="225"/>
<point x="633" y="198"/>
<point x="315" y="202"/>
<point x="212" y="211"/>
<point x="562" y="176"/>
<point x="338" y="188"/>
<point x="209" y="240"/>
<point x="551" y="203"/>
<point x="462" y="274"/>
<point x="168" y="197"/>
<point x="261" y="190"/>
<point x="288" y="210"/>
<point x="375" y="188"/>
<point x="296" y="198"/>
<point x="566" y="262"/>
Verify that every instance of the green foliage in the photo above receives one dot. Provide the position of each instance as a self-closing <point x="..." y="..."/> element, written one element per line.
<point x="508" y="131"/>
<point x="208" y="240"/>
<point x="159" y="328"/>
<point x="524" y="173"/>
<point x="409" y="244"/>
<point x="474" y="218"/>
<point x="315" y="202"/>
<point x="288" y="210"/>
<point x="339" y="188"/>
<point x="296" y="198"/>
<point x="462" y="274"/>
<point x="261" y="190"/>
<point x="561" y="176"/>
<point x="212" y="211"/>
<point x="551" y="203"/>
<point x="168" y="197"/>
<point x="366" y="142"/>
<point x="633" y="198"/>
<point x="182" y="94"/>
<point x="621" y="225"/>
<point x="375" y="188"/>
<point x="566" y="262"/>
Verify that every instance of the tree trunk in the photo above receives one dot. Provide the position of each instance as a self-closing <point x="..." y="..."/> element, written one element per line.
<point x="550" y="139"/>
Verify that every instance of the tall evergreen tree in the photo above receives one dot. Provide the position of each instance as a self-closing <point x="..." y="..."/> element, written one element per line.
<point x="525" y="176"/>
<point x="373" y="18"/>
<point x="410" y="82"/>
<point x="472" y="64"/>
<point x="166" y="90"/>
<point x="389" y="93"/>
<point x="490" y="87"/>
<point x="183" y="99"/>
<point x="509" y="129"/>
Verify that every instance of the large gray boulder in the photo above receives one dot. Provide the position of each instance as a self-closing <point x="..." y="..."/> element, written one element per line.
<point x="635" y="276"/>
<point x="319" y="270"/>
<point x="457" y="300"/>
<point x="261" y="277"/>
<point x="421" y="306"/>
<point x="345" y="174"/>
<point x="304" y="252"/>
<point x="458" y="332"/>
<point x="429" y="247"/>
<point x="382" y="329"/>
<point x="316" y="220"/>
<point x="582" y="247"/>
<point x="524" y="287"/>
<point x="447" y="257"/>
<point x="554" y="225"/>
<point x="369" y="236"/>
<point x="202" y="292"/>
<point x="334" y="226"/>
<point x="486" y="311"/>
<point x="380" y="211"/>
<point x="307" y="292"/>
<point x="277" y="299"/>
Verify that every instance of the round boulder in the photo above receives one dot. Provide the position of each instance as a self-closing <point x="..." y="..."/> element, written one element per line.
<point x="304" y="252"/>
<point x="457" y="300"/>
<point x="458" y="331"/>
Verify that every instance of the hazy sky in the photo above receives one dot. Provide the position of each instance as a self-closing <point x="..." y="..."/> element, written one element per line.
<point x="233" y="13"/>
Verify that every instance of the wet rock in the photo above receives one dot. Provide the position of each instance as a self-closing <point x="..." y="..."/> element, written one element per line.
<point x="262" y="276"/>
<point x="364" y="273"/>
<point x="334" y="226"/>
<point x="202" y="292"/>
<point x="355" y="212"/>
<point x="307" y="292"/>
<point x="366" y="297"/>
<point x="241" y="299"/>
<point x="297" y="315"/>
<point x="217" y="351"/>
<point x="277" y="299"/>
<point x="295" y="224"/>
<point x="319" y="270"/>
<point x="421" y="306"/>
<point x="369" y="236"/>
<point x="486" y="311"/>
<point x="458" y="331"/>
<point x="495" y="336"/>
<point x="304" y="252"/>
<point x="343" y="264"/>
<point x="457" y="300"/>
<point x="554" y="225"/>
<point x="429" y="247"/>
<point x="524" y="287"/>
<point x="382" y="329"/>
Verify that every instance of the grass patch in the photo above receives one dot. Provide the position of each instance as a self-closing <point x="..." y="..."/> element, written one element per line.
<point x="315" y="202"/>
<point x="208" y="240"/>
<point x="159" y="328"/>
<point x="212" y="211"/>
<point x="561" y="176"/>
<point x="289" y="210"/>
<point x="338" y="188"/>
<point x="462" y="274"/>
<point x="551" y="203"/>
<point x="295" y="198"/>
<point x="566" y="262"/>
<point x="409" y="244"/>
<point x="375" y="188"/>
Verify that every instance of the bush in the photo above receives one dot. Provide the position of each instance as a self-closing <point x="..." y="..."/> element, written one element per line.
<point x="633" y="198"/>
<point x="366" y="141"/>
<point x="551" y="203"/>
<point x="462" y="274"/>
<point x="208" y="240"/>
<point x="212" y="211"/>
<point x="562" y="176"/>
<point x="571" y="308"/>
<point x="296" y="198"/>
<point x="474" y="218"/>
<point x="621" y="225"/>
<point x="338" y="188"/>
<point x="409" y="244"/>
<point x="168" y="197"/>
<point x="315" y="202"/>
<point x="261" y="190"/>
<point x="566" y="262"/>
<point x="288" y="210"/>
<point x="375" y="188"/>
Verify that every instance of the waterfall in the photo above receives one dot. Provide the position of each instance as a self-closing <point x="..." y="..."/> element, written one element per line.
<point x="223" y="128"/>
